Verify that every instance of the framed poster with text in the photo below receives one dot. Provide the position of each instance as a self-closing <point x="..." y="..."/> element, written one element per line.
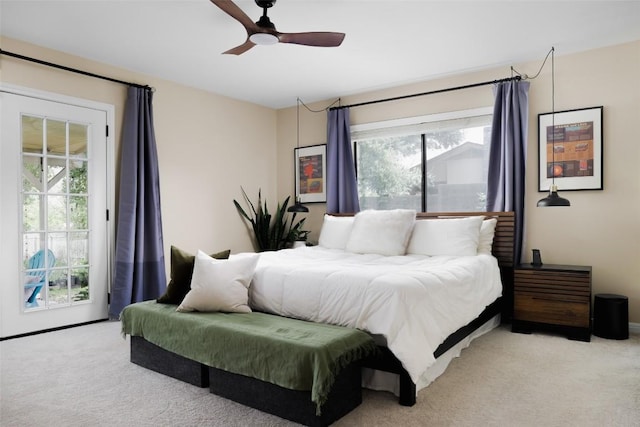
<point x="570" y="149"/>
<point x="311" y="173"/>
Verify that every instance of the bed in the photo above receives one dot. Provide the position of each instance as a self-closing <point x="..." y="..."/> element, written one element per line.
<point x="422" y="285"/>
<point x="417" y="306"/>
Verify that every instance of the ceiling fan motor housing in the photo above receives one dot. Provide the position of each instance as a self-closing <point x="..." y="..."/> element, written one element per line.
<point x="265" y="22"/>
<point x="265" y="4"/>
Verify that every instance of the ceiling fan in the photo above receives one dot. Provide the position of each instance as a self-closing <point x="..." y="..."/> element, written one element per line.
<point x="264" y="32"/>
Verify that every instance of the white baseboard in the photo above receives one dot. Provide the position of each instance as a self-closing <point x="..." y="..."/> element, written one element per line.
<point x="634" y="328"/>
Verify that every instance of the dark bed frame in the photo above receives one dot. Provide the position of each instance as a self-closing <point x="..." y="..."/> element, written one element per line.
<point x="503" y="248"/>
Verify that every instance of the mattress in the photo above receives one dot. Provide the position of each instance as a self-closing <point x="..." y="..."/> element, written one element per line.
<point x="413" y="301"/>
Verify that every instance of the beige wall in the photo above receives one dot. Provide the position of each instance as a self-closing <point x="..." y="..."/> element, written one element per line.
<point x="601" y="228"/>
<point x="208" y="145"/>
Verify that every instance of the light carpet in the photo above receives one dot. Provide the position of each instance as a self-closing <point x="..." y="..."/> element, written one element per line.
<point x="82" y="377"/>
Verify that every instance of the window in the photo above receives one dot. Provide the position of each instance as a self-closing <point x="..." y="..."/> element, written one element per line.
<point x="434" y="163"/>
<point x="55" y="210"/>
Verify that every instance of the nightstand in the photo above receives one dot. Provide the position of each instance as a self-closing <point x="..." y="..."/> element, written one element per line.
<point x="552" y="297"/>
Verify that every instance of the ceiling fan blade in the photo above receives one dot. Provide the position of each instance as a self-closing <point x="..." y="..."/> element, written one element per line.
<point x="238" y="50"/>
<point x="320" y="38"/>
<point x="231" y="9"/>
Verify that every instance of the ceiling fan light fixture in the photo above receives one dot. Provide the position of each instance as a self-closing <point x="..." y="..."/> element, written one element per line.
<point x="263" y="39"/>
<point x="264" y="31"/>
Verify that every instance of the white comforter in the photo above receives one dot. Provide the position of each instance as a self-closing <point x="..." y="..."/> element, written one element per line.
<point x="413" y="301"/>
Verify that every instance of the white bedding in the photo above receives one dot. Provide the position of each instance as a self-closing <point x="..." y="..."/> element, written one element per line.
<point x="413" y="301"/>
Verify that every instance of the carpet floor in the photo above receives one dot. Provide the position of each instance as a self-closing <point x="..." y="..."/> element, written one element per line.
<point x="82" y="377"/>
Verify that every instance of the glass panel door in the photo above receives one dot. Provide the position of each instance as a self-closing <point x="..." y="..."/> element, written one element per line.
<point x="53" y="215"/>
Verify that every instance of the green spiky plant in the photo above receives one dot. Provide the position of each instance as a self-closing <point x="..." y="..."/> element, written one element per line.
<point x="271" y="234"/>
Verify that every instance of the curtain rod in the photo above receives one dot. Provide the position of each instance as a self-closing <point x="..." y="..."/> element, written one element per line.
<point x="73" y="70"/>
<point x="508" y="79"/>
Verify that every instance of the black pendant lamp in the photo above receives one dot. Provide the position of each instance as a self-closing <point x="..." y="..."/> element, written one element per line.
<point x="553" y="199"/>
<point x="298" y="207"/>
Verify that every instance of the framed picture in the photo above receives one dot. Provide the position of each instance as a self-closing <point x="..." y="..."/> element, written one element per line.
<point x="570" y="149"/>
<point x="311" y="173"/>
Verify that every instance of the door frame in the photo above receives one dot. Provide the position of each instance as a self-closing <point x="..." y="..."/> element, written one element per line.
<point x="109" y="109"/>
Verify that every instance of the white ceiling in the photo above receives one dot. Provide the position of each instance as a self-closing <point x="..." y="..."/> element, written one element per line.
<point x="387" y="43"/>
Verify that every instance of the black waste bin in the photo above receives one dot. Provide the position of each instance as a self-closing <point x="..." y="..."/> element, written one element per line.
<point x="611" y="316"/>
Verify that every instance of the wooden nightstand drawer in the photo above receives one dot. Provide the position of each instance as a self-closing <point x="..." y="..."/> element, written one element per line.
<point x="552" y="310"/>
<point x="554" y="282"/>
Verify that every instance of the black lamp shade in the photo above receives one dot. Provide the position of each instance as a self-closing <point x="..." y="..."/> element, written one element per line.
<point x="553" y="199"/>
<point x="298" y="208"/>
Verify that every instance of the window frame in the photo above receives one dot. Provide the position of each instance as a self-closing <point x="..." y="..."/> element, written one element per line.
<point x="386" y="128"/>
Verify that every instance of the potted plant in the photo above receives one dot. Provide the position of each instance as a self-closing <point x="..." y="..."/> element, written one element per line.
<point x="271" y="233"/>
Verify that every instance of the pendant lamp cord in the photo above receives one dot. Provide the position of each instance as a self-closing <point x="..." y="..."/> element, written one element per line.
<point x="553" y="118"/>
<point x="298" y="122"/>
<point x="322" y="110"/>
<point x="525" y="76"/>
<point x="552" y="199"/>
<point x="553" y="106"/>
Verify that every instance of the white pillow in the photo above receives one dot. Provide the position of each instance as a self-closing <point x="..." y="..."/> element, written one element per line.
<point x="220" y="285"/>
<point x="381" y="232"/>
<point x="487" y="231"/>
<point x="454" y="237"/>
<point x="335" y="231"/>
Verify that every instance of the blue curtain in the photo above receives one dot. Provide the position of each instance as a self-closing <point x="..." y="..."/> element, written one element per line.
<point x="508" y="154"/>
<point x="342" y="188"/>
<point x="139" y="259"/>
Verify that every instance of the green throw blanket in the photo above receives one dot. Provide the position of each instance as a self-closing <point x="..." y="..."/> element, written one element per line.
<point x="291" y="353"/>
